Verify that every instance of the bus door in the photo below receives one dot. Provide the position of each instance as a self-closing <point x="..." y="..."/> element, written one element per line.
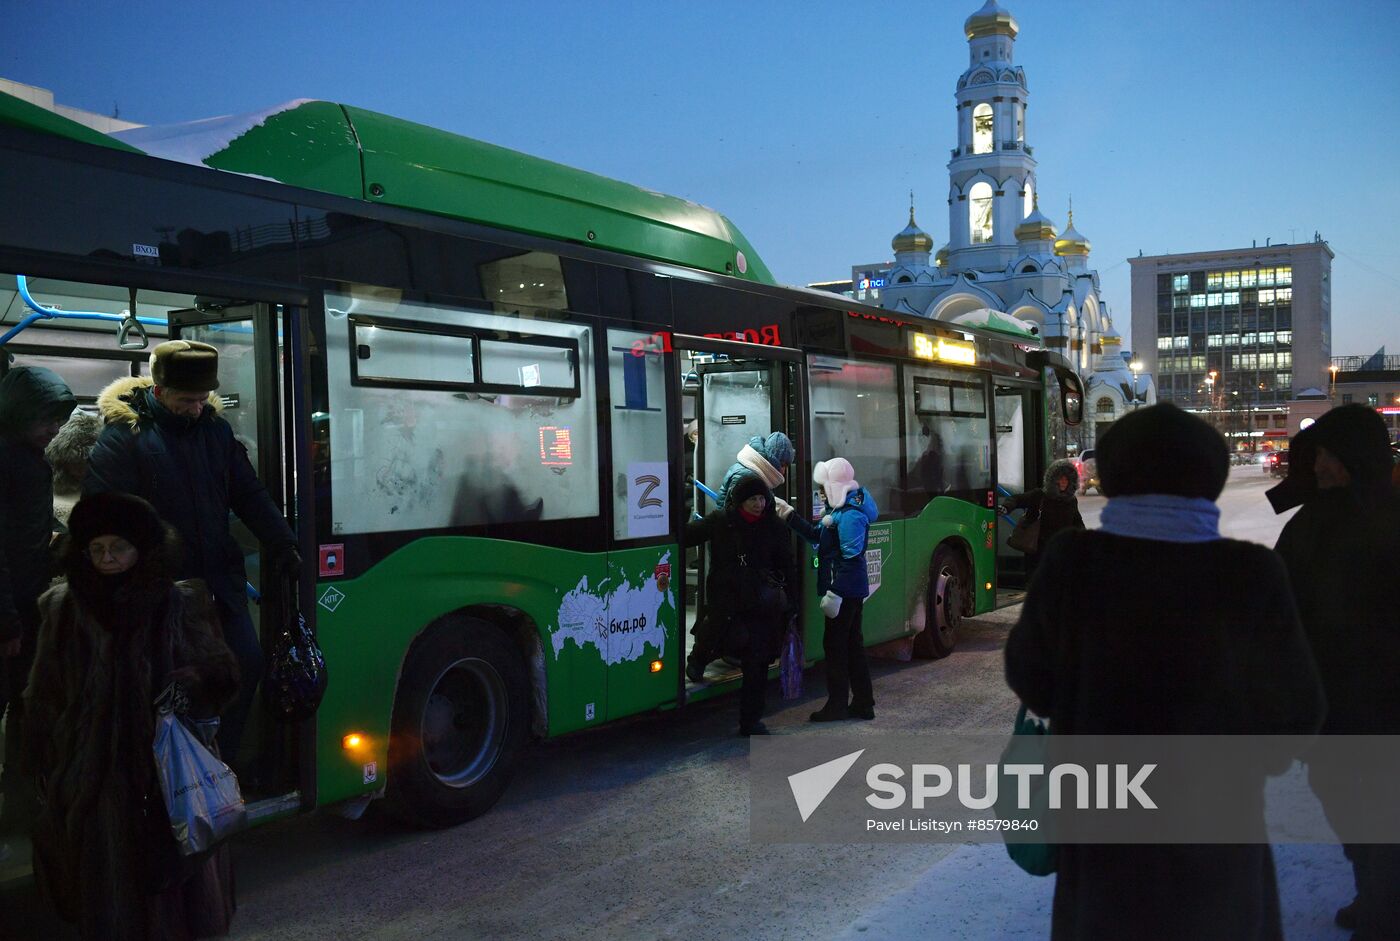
<point x="258" y="387"/>
<point x="735" y="391"/>
<point x="1019" y="444"/>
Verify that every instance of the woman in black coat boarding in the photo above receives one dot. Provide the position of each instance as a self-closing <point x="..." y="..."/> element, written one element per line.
<point x="746" y="591"/>
<point x="1156" y="625"/>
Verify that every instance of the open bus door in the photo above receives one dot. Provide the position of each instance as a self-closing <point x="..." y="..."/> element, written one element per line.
<point x="733" y="391"/>
<point x="260" y="384"/>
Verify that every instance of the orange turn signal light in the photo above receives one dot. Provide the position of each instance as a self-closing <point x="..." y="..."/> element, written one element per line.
<point x="352" y="741"/>
<point x="656" y="666"/>
<point x="989" y="586"/>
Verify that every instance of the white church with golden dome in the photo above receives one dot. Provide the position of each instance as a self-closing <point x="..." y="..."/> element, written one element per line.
<point x="1003" y="253"/>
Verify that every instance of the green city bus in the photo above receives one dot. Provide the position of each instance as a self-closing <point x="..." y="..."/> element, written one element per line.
<point x="467" y="375"/>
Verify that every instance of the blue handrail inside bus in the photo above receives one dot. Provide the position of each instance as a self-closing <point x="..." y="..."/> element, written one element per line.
<point x="1006" y="493"/>
<point x="51" y="313"/>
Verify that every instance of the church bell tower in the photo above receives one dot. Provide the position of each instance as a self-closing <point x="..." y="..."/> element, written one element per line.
<point x="992" y="172"/>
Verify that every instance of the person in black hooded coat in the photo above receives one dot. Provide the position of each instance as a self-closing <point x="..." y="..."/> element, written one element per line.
<point x="1339" y="548"/>
<point x="34" y="404"/>
<point x="747" y="591"/>
<point x="1056" y="505"/>
<point x="1156" y="625"/>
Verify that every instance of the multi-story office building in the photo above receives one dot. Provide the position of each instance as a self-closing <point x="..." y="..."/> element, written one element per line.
<point x="1236" y="332"/>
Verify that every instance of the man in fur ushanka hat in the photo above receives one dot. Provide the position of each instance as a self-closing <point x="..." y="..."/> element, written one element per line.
<point x="166" y="442"/>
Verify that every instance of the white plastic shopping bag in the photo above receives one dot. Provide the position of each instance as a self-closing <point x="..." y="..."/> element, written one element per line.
<point x="201" y="792"/>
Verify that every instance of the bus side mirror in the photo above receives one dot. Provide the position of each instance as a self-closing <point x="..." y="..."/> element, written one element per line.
<point x="126" y="341"/>
<point x="1072" y="406"/>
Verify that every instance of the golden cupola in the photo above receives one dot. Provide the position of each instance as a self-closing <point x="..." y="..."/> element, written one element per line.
<point x="1036" y="227"/>
<point x="1071" y="242"/>
<point x="991" y="20"/>
<point x="912" y="238"/>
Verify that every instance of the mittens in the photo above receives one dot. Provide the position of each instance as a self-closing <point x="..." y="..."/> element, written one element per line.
<point x="782" y="508"/>
<point x="830" y="604"/>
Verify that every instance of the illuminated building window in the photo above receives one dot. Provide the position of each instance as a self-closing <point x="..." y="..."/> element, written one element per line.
<point x="1285" y="379"/>
<point x="1283" y="276"/>
<point x="982" y="125"/>
<point x="1266" y="277"/>
<point x="1213" y="299"/>
<point x="1181" y="342"/>
<point x="1266" y="296"/>
<point x="1214" y="340"/>
<point x="1232" y="339"/>
<point x="1285" y="336"/>
<point x="1285" y="358"/>
<point x="1181" y="282"/>
<point x="1164" y="343"/>
<point x="1232" y="279"/>
<point x="1215" y="280"/>
<point x="1266" y="337"/>
<point x="1266" y="360"/>
<point x="980" y="213"/>
<point x="1249" y="279"/>
<point x="1232" y="298"/>
<point x="1284" y="295"/>
<point x="1198" y="300"/>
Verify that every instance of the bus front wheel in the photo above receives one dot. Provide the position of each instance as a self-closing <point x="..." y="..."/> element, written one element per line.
<point x="461" y="717"/>
<point x="947" y="592"/>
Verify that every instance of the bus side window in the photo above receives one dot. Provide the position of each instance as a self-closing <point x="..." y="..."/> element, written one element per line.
<point x="855" y="416"/>
<point x="947" y="436"/>
<point x="422" y="437"/>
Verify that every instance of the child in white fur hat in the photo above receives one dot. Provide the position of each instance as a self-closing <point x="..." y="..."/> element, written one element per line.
<point x="843" y="584"/>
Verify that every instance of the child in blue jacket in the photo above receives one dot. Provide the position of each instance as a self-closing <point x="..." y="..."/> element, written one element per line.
<point x="843" y="584"/>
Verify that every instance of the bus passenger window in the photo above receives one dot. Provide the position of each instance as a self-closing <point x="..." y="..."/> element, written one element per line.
<point x="854" y="415"/>
<point x="447" y="417"/>
<point x="947" y="437"/>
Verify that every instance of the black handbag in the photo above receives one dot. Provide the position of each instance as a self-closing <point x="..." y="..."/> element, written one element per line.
<point x="1025" y="537"/>
<point x="296" y="670"/>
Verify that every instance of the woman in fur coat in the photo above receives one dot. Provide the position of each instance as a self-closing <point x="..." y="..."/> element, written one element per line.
<point x="112" y="639"/>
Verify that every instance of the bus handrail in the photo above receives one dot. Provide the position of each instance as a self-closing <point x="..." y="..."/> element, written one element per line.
<point x="52" y="313"/>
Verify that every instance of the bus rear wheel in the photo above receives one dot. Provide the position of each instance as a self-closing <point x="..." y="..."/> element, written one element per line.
<point x="461" y="717"/>
<point x="947" y="593"/>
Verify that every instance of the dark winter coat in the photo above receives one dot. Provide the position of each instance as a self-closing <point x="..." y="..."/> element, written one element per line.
<point x="1187" y="638"/>
<point x="1056" y="511"/>
<point x="1343" y="555"/>
<point x="193" y="471"/>
<point x="27" y="395"/>
<point x="745" y="559"/>
<point x="103" y="849"/>
<point x="840" y="547"/>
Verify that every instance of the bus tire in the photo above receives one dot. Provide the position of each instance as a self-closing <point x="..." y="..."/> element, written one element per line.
<point x="947" y="594"/>
<point x="461" y="718"/>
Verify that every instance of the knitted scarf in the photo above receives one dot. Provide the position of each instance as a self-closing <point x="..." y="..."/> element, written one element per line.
<point x="1162" y="517"/>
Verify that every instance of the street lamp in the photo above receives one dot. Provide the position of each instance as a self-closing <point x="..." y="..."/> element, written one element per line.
<point x="1210" y="395"/>
<point x="1136" y="367"/>
<point x="1332" y="393"/>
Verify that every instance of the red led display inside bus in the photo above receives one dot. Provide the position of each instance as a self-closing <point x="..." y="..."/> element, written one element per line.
<point x="556" y="446"/>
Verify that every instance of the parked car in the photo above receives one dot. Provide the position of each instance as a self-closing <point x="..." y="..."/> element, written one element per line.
<point x="1277" y="465"/>
<point x="1088" y="470"/>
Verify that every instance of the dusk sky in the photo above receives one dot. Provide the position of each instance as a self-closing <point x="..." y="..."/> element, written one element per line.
<point x="1177" y="126"/>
